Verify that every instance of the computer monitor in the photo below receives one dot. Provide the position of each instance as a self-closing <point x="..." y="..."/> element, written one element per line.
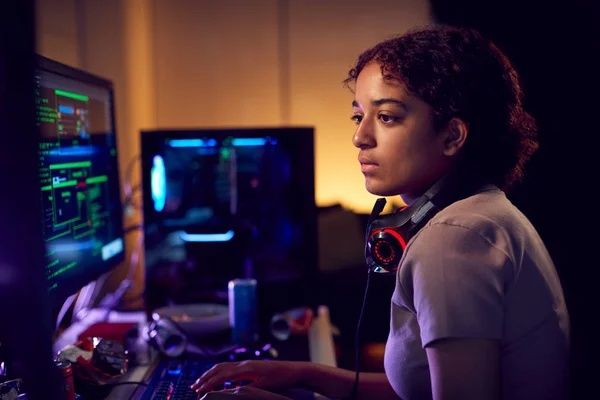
<point x="25" y="328"/>
<point x="78" y="177"/>
<point x="221" y="204"/>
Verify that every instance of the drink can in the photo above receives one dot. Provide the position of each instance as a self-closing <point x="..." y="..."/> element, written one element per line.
<point x="67" y="382"/>
<point x="243" y="315"/>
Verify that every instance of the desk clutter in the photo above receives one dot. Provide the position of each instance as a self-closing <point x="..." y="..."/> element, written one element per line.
<point x="216" y="204"/>
<point x="176" y="344"/>
<point x="197" y="319"/>
<point x="94" y="361"/>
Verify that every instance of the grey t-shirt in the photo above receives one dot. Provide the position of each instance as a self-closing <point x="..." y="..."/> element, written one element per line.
<point x="479" y="269"/>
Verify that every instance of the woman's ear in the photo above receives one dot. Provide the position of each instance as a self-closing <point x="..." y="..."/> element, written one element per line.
<point x="456" y="133"/>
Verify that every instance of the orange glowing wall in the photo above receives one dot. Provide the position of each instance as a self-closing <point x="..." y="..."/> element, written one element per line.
<point x="210" y="63"/>
<point x="214" y="63"/>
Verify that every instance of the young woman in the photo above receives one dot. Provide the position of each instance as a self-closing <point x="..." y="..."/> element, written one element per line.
<point x="478" y="311"/>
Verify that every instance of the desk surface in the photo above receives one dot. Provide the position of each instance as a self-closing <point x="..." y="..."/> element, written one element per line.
<point x="317" y="346"/>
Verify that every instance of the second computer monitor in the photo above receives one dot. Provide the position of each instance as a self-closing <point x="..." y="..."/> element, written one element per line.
<point x="229" y="203"/>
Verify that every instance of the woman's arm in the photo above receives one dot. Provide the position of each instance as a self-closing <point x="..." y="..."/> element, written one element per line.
<point x="337" y="383"/>
<point x="277" y="375"/>
<point x="464" y="369"/>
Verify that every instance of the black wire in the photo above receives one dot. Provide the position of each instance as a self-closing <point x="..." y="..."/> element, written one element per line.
<point x="129" y="167"/>
<point x="357" y="349"/>
<point x="136" y="188"/>
<point x="130" y="229"/>
<point x="377" y="208"/>
<point x="127" y="383"/>
<point x="130" y="200"/>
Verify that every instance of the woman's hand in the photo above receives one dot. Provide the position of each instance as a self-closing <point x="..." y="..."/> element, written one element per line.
<point x="269" y="375"/>
<point x="243" y="393"/>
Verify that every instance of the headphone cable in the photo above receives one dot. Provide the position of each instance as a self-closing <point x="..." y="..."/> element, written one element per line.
<point x="377" y="209"/>
<point x="357" y="345"/>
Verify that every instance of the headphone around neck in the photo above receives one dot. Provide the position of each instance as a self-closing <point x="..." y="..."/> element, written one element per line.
<point x="388" y="235"/>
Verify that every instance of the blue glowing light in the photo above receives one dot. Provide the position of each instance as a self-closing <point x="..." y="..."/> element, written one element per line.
<point x="192" y="143"/>
<point x="239" y="142"/>
<point x="75" y="151"/>
<point x="66" y="110"/>
<point x="158" y="179"/>
<point x="207" y="237"/>
<point x="236" y="142"/>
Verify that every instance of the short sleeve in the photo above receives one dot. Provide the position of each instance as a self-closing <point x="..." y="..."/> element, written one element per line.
<point x="455" y="278"/>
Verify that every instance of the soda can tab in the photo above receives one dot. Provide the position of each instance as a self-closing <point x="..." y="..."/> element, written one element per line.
<point x="243" y="314"/>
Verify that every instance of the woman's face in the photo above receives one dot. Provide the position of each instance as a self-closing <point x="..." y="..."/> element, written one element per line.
<point x="400" y="152"/>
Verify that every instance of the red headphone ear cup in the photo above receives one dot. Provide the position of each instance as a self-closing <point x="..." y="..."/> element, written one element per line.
<point x="386" y="248"/>
<point x="398" y="237"/>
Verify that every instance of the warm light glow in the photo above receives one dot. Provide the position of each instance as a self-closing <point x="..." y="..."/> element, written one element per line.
<point x="322" y="51"/>
<point x="239" y="76"/>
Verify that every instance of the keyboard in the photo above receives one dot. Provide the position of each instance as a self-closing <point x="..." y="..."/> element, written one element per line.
<point x="171" y="380"/>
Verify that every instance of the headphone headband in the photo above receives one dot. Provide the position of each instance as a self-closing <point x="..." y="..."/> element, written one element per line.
<point x="387" y="235"/>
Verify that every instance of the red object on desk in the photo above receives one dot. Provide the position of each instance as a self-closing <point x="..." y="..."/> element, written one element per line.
<point x="108" y="330"/>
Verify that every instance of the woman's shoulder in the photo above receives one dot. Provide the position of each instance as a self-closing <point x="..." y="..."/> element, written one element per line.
<point x="487" y="219"/>
<point x="488" y="213"/>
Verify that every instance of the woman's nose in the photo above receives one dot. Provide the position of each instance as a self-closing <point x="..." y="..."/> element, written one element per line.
<point x="363" y="137"/>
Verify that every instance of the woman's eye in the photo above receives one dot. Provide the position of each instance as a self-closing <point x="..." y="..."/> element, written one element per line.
<point x="386" y="119"/>
<point x="356" y="119"/>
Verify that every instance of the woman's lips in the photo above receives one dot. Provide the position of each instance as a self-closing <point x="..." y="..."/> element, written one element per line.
<point x="367" y="165"/>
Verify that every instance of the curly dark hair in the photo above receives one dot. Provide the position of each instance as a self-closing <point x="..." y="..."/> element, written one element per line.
<point x="461" y="74"/>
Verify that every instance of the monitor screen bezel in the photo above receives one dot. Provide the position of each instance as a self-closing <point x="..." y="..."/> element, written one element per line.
<point x="60" y="294"/>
